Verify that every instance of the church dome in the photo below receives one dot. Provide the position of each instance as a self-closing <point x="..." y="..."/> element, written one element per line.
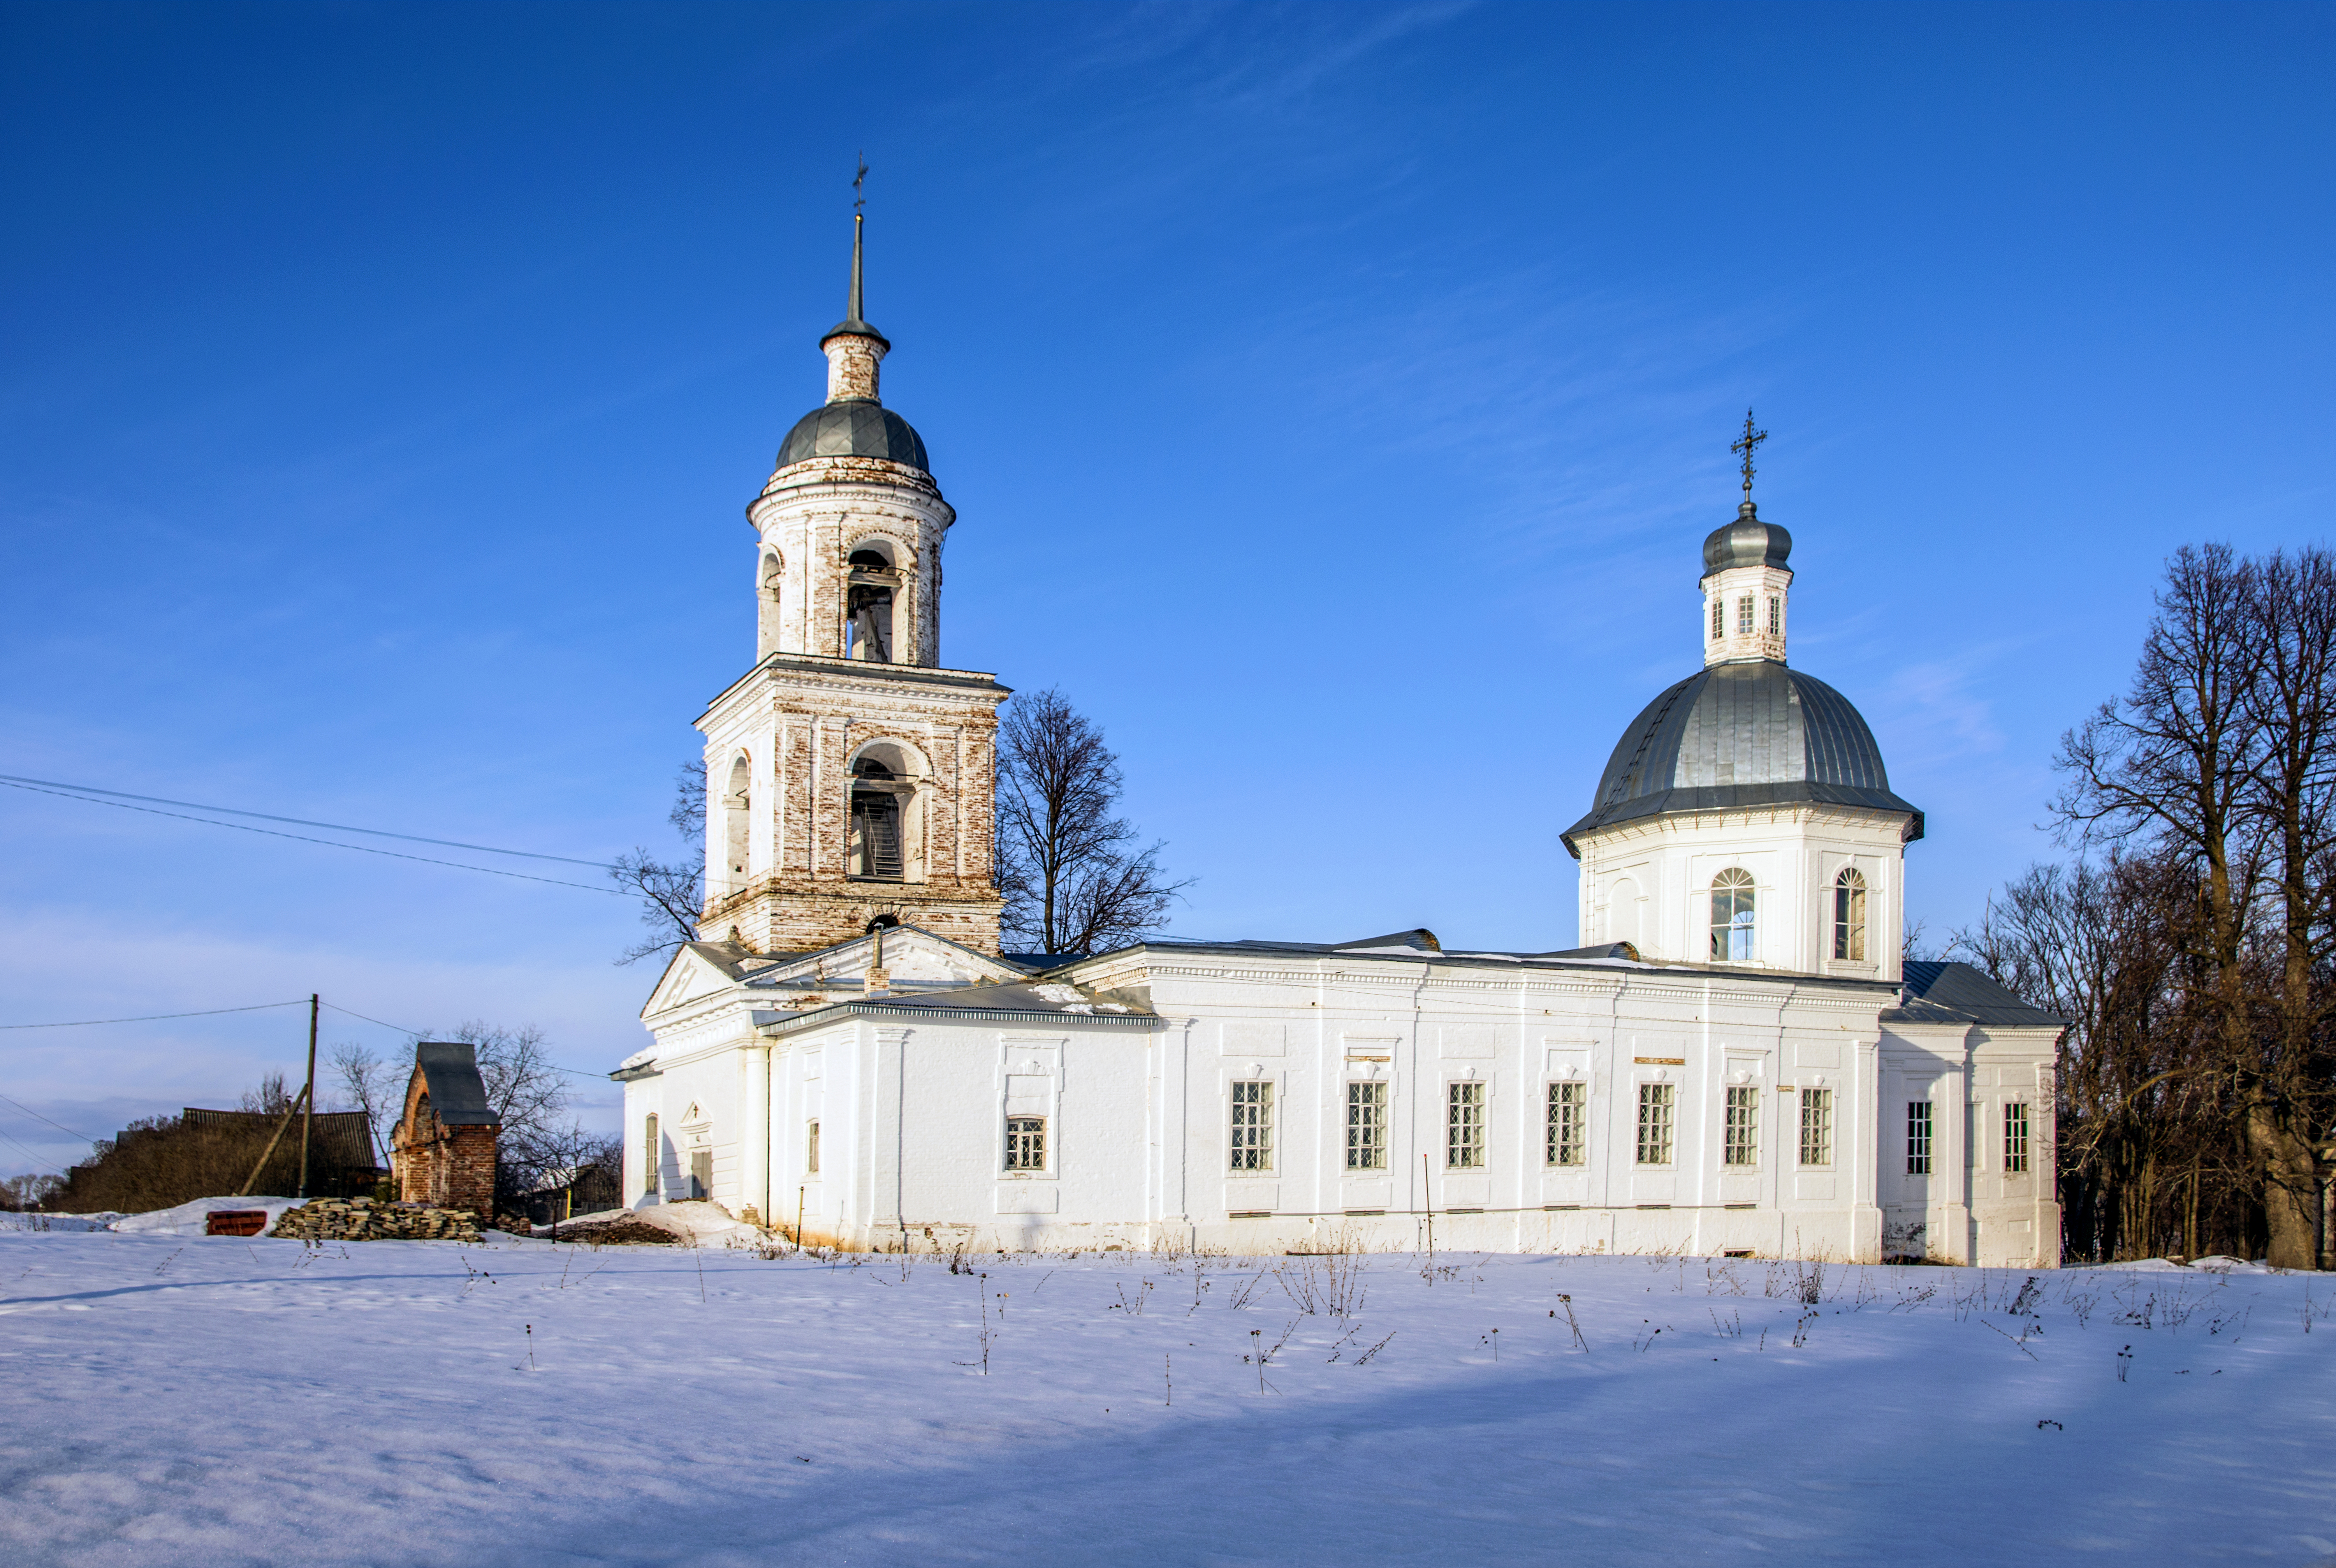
<point x="854" y="427"/>
<point x="1755" y="733"/>
<point x="1746" y="541"/>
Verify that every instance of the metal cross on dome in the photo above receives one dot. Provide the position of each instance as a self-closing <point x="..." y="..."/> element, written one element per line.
<point x="1746" y="444"/>
<point x="858" y="198"/>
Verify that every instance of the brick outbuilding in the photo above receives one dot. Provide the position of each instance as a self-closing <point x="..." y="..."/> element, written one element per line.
<point x="443" y="1149"/>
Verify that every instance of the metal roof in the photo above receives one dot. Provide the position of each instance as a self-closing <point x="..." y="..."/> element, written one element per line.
<point x="854" y="427"/>
<point x="450" y="1072"/>
<point x="1948" y="993"/>
<point x="1758" y="733"/>
<point x="1746" y="541"/>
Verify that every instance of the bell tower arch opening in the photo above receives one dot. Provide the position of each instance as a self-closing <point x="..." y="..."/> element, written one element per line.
<point x="872" y="589"/>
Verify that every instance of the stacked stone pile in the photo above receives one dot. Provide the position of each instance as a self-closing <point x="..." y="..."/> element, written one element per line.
<point x="363" y="1220"/>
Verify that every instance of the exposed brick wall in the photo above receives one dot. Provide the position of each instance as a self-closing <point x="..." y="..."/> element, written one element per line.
<point x="442" y="1166"/>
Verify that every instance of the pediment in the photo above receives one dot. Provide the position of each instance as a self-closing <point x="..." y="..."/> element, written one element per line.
<point x="689" y="975"/>
<point x="914" y="960"/>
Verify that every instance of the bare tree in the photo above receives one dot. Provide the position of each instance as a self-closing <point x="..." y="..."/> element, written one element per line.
<point x="529" y="1093"/>
<point x="368" y="1084"/>
<point x="2292" y="703"/>
<point x="672" y="894"/>
<point x="1074" y="881"/>
<point x="270" y="1098"/>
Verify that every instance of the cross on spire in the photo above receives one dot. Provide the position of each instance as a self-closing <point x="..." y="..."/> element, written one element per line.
<point x="858" y="198"/>
<point x="1746" y="443"/>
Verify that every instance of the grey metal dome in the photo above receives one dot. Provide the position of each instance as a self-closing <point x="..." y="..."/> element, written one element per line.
<point x="1746" y="541"/>
<point x="854" y="427"/>
<point x="1741" y="735"/>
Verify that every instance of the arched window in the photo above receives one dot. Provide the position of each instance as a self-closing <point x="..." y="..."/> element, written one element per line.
<point x="734" y="818"/>
<point x="876" y="821"/>
<point x="766" y="602"/>
<point x="1849" y="917"/>
<point x="867" y="605"/>
<point x="1732" y="931"/>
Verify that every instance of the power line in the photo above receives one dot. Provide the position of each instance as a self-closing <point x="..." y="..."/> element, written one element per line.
<point x="66" y="793"/>
<point x="156" y="1018"/>
<point x="37" y="1115"/>
<point x="295" y="821"/>
<point x="352" y="1012"/>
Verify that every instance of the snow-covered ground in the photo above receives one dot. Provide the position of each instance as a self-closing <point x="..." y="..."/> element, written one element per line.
<point x="184" y="1400"/>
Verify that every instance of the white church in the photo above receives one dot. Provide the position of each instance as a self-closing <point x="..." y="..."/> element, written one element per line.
<point x="1739" y="1063"/>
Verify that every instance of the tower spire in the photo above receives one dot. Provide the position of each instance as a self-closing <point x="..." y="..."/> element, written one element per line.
<point x="859" y="218"/>
<point x="853" y="349"/>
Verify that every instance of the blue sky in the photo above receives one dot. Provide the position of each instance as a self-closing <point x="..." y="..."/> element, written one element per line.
<point x="1333" y="399"/>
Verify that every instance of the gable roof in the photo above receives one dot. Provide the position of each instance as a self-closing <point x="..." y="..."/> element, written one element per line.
<point x="1015" y="1003"/>
<point x="1947" y="993"/>
<point x="449" y="1074"/>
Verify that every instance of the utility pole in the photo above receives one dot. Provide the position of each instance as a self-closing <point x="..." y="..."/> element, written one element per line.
<point x="308" y="1116"/>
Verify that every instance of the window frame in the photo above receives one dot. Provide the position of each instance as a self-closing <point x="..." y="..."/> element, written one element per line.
<point x="1718" y="616"/>
<point x="810" y="1146"/>
<point x="1657" y="1123"/>
<point x="1850" y="904"/>
<point x="1250" y="1136"/>
<point x="653" y="1180"/>
<point x="1744" y="615"/>
<point x="2018" y="1138"/>
<point x="1776" y="615"/>
<point x="1920" y="1133"/>
<point x="1464" y="1125"/>
<point x="1366" y="1132"/>
<point x="1565" y="1127"/>
<point x="1743" y="918"/>
<point x="1740" y="1124"/>
<point x="1815" y="1128"/>
<point x="1031" y="1132"/>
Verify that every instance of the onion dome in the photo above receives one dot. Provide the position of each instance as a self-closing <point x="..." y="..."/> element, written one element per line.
<point x="1746" y="541"/>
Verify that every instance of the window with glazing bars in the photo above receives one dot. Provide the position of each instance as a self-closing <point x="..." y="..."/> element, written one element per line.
<point x="1734" y="939"/>
<point x="1775" y="616"/>
<point x="1026" y="1143"/>
<point x="1568" y="1113"/>
<point x="1743" y="1145"/>
<point x="1849" y="916"/>
<point x="1365" y="1126"/>
<point x="1918" y="1138"/>
<point x="1655" y="1124"/>
<point x="2015" y="1137"/>
<point x="1463" y="1126"/>
<point x="1817" y="1126"/>
<point x="1744" y="616"/>
<point x="1719" y="617"/>
<point x="811" y="1148"/>
<point x="651" y="1159"/>
<point x="1253" y="1131"/>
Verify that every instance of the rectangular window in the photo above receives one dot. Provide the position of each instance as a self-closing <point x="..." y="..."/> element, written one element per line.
<point x="1743" y="1147"/>
<point x="651" y="1160"/>
<point x="1253" y="1131"/>
<point x="1817" y="1126"/>
<point x="1775" y="616"/>
<point x="1463" y="1126"/>
<point x="1365" y="1126"/>
<point x="1744" y="616"/>
<point x="1568" y="1121"/>
<point x="1719" y="615"/>
<point x="811" y="1148"/>
<point x="2015" y="1138"/>
<point x="1655" y="1124"/>
<point x="1918" y="1138"/>
<point x="1026" y="1143"/>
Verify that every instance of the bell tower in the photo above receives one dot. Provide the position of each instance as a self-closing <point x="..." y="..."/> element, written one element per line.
<point x="849" y="774"/>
